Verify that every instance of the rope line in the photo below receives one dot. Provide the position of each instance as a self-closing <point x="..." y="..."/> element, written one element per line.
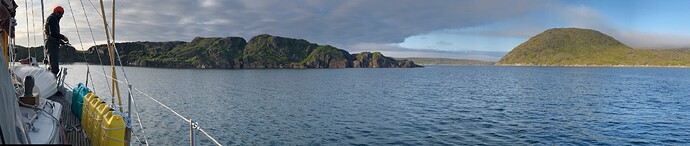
<point x="95" y="46"/>
<point x="137" y="137"/>
<point x="141" y="125"/>
<point x="170" y="109"/>
<point x="74" y="19"/>
<point x="116" y="52"/>
<point x="209" y="136"/>
<point x="33" y="22"/>
<point x="93" y="86"/>
<point x="165" y="106"/>
<point x="122" y="67"/>
<point x="112" y="58"/>
<point x="115" y="139"/>
<point x="28" y="34"/>
<point x="96" y="9"/>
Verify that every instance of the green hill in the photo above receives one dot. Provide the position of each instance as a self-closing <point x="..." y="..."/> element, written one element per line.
<point x="262" y="51"/>
<point x="266" y="51"/>
<point x="575" y="47"/>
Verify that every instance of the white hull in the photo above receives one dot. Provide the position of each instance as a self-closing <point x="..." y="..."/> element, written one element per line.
<point x="44" y="79"/>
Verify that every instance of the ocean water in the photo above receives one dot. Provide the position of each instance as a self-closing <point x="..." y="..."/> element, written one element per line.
<point x="435" y="105"/>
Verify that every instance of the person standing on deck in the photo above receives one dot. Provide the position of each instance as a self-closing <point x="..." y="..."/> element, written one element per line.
<point x="54" y="38"/>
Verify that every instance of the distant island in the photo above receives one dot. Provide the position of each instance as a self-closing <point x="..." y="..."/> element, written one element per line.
<point x="585" y="47"/>
<point x="446" y="61"/>
<point x="260" y="52"/>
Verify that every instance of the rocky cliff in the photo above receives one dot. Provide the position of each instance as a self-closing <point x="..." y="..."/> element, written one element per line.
<point x="262" y="51"/>
<point x="266" y="51"/>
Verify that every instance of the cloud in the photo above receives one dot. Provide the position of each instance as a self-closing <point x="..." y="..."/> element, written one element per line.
<point x="339" y="22"/>
<point x="444" y="43"/>
<point x="584" y="17"/>
<point x="503" y="33"/>
<point x="325" y="22"/>
<point x="649" y="40"/>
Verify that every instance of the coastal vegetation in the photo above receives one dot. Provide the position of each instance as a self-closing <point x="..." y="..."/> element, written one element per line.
<point x="553" y="47"/>
<point x="585" y="47"/>
<point x="262" y="51"/>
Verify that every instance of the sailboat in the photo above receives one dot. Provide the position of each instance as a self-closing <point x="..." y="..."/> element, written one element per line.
<point x="38" y="107"/>
<point x="25" y="92"/>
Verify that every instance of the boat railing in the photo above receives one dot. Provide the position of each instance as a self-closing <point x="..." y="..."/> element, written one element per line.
<point x="114" y="59"/>
<point x="194" y="126"/>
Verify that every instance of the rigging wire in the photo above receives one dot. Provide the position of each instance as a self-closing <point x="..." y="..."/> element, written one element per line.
<point x="141" y="125"/>
<point x="96" y="9"/>
<point x="74" y="19"/>
<point x="95" y="46"/>
<point x="112" y="59"/>
<point x="166" y="107"/>
<point x="119" y="59"/>
<point x="33" y="23"/>
<point x="127" y="82"/>
<point x="28" y="34"/>
<point x="126" y="79"/>
<point x="124" y="73"/>
<point x="114" y="44"/>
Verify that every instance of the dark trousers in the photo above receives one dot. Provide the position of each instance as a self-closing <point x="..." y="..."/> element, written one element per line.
<point x="53" y="55"/>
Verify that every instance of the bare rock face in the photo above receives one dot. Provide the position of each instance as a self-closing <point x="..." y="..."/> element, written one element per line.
<point x="221" y="53"/>
<point x="377" y="60"/>
<point x="328" y="57"/>
<point x="407" y="64"/>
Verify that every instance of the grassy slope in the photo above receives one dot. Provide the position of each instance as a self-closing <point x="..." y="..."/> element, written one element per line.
<point x="326" y="50"/>
<point x="572" y="46"/>
<point x="277" y="50"/>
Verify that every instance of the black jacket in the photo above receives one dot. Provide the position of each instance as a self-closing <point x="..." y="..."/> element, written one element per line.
<point x="52" y="29"/>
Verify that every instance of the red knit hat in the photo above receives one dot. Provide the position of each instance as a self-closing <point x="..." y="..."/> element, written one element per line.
<point x="59" y="9"/>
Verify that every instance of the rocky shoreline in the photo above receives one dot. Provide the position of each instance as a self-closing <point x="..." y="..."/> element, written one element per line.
<point x="260" y="52"/>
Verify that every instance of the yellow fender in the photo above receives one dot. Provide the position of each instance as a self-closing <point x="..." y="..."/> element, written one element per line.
<point x="84" y="110"/>
<point x="92" y="111"/>
<point x="114" y="131"/>
<point x="101" y="130"/>
<point x="96" y="123"/>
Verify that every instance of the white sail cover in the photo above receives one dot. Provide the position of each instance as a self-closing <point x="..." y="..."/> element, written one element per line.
<point x="45" y="80"/>
<point x="10" y="124"/>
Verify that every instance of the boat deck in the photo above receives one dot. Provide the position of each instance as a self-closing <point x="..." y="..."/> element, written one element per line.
<point x="73" y="131"/>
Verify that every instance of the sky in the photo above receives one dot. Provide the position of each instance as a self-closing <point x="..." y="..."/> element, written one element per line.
<point x="462" y="29"/>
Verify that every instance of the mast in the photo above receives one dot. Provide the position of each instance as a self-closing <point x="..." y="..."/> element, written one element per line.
<point x="111" y="52"/>
<point x="128" y="130"/>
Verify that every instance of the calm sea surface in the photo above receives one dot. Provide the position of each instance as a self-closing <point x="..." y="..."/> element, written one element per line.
<point x="435" y="105"/>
